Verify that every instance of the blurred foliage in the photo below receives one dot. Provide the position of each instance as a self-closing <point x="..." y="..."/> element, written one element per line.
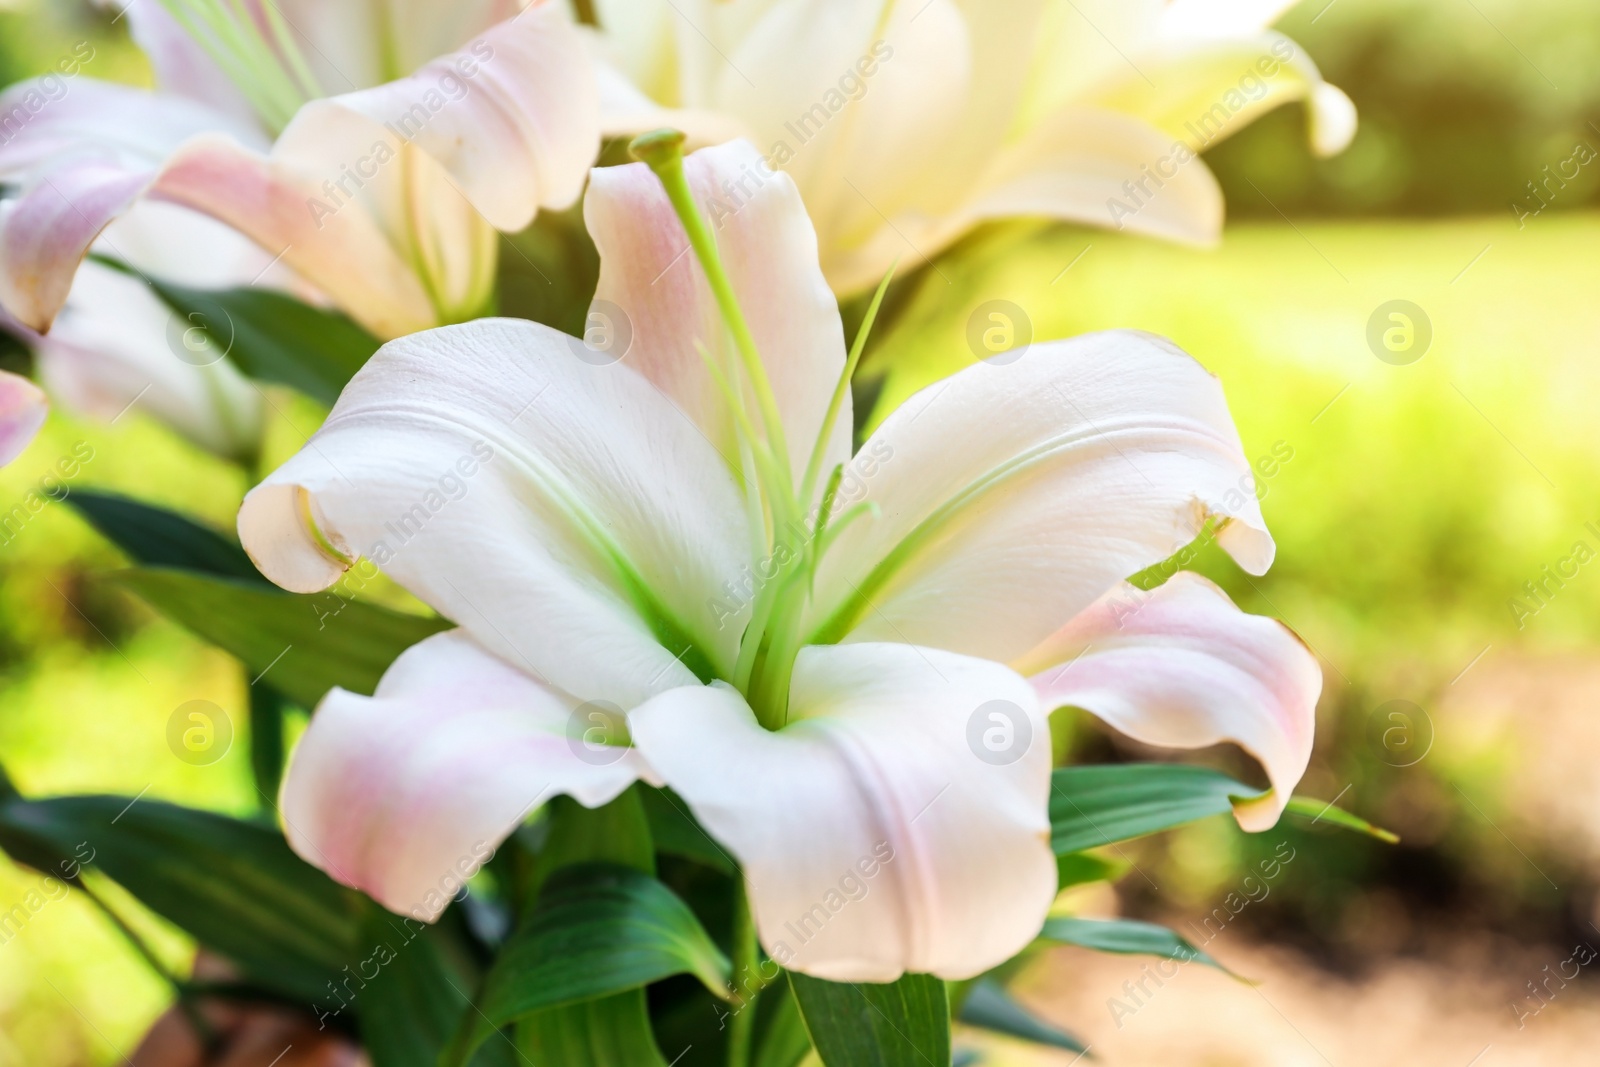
<point x="1462" y="105"/>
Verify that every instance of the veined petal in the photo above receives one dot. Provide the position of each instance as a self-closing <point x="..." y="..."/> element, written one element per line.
<point x="405" y="794"/>
<point x="513" y="118"/>
<point x="769" y="250"/>
<point x="564" y="513"/>
<point x="897" y="823"/>
<point x="1203" y="91"/>
<point x="1013" y="494"/>
<point x="22" y="412"/>
<point x="351" y="46"/>
<point x="1180" y="666"/>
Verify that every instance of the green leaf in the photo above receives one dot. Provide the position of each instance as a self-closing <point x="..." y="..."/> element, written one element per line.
<point x="1126" y="937"/>
<point x="598" y="930"/>
<point x="784" y="1042"/>
<point x="1081" y="868"/>
<point x="989" y="1006"/>
<point x="611" y="1032"/>
<point x="677" y="832"/>
<point x="309" y="644"/>
<point x="1100" y="805"/>
<point x="272" y="337"/>
<point x="1321" y="811"/>
<point x="156" y="537"/>
<point x="901" y="1024"/>
<point x="268" y="711"/>
<point x="234" y="886"/>
<point x="413" y="1004"/>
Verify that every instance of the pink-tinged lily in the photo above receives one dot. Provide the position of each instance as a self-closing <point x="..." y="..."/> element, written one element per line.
<point x="117" y="350"/>
<point x="22" y="412"/>
<point x="906" y="123"/>
<point x="372" y="147"/>
<point x="665" y="564"/>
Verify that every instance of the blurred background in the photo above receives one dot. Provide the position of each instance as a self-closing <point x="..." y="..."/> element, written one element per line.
<point x="1438" y="524"/>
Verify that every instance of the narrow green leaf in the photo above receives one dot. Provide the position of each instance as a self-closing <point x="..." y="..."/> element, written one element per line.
<point x="784" y="1041"/>
<point x="268" y="713"/>
<point x="1081" y="868"/>
<point x="598" y="930"/>
<point x="272" y="337"/>
<point x="1319" y="811"/>
<point x="610" y="1032"/>
<point x="901" y="1024"/>
<point x="234" y="886"/>
<point x="990" y="1007"/>
<point x="1100" y="805"/>
<point x="413" y="1003"/>
<point x="302" y="645"/>
<point x="1126" y="937"/>
<point x="156" y="537"/>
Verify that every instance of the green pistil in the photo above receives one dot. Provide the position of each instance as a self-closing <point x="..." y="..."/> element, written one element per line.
<point x="272" y="74"/>
<point x="791" y="548"/>
<point x="662" y="151"/>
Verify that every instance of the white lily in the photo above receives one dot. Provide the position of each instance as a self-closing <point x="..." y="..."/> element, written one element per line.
<point x="372" y="147"/>
<point x="116" y="347"/>
<point x="845" y="677"/>
<point x="907" y="123"/>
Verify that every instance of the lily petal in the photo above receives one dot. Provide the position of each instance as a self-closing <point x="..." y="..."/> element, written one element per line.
<point x="1203" y="91"/>
<point x="565" y="514"/>
<point x="769" y="250"/>
<point x="181" y="66"/>
<point x="878" y="831"/>
<point x="1180" y="666"/>
<point x="87" y="158"/>
<point x="1016" y="492"/>
<point x="514" y="119"/>
<point x="22" y="411"/>
<point x="405" y="794"/>
<point x="116" y="346"/>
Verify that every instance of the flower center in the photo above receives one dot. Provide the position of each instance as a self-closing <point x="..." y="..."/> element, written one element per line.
<point x="253" y="43"/>
<point x="773" y="637"/>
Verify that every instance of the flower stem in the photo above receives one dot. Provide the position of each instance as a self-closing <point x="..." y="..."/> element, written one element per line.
<point x="747" y="980"/>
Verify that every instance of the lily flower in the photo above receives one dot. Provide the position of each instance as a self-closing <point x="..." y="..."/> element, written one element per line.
<point x="116" y="347"/>
<point x="373" y="148"/>
<point x="906" y="124"/>
<point x="666" y="565"/>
